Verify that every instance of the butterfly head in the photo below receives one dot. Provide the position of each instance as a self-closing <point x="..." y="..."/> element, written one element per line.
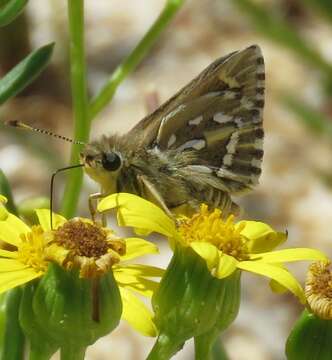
<point x="102" y="165"/>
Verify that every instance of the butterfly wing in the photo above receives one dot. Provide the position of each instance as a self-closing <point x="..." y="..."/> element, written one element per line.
<point x="218" y="116"/>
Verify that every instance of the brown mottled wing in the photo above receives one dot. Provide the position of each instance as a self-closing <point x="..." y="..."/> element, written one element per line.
<point x="147" y="128"/>
<point x="218" y="116"/>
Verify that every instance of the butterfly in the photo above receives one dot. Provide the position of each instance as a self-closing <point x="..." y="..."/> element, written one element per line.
<point x="201" y="146"/>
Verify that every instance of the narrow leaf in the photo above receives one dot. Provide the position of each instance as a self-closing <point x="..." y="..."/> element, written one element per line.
<point x="7" y="192"/>
<point x="11" y="11"/>
<point x="25" y="72"/>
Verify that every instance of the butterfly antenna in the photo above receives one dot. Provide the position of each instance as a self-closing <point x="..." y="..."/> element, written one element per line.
<point x="52" y="187"/>
<point x="20" y="125"/>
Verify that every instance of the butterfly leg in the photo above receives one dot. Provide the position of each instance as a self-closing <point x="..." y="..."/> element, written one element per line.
<point x="93" y="200"/>
<point x="152" y="193"/>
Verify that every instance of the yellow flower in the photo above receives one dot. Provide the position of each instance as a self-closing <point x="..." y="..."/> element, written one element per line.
<point x="131" y="278"/>
<point x="24" y="260"/>
<point x="32" y="248"/>
<point x="224" y="245"/>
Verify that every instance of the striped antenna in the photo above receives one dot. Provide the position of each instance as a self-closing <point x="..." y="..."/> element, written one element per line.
<point x="20" y="125"/>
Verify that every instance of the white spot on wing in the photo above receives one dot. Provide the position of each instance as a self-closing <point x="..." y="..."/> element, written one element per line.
<point x="200" y="168"/>
<point x="246" y="103"/>
<point x="260" y="69"/>
<point x="196" y="144"/>
<point x="171" y="140"/>
<point x="258" y="144"/>
<point x="227" y="159"/>
<point x="222" y="118"/>
<point x="256" y="162"/>
<point x="239" y="121"/>
<point x="229" y="95"/>
<point x="223" y="173"/>
<point x="231" y="146"/>
<point x="196" y="121"/>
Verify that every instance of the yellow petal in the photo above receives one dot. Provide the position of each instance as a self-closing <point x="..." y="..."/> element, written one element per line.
<point x="3" y="199"/>
<point x="208" y="252"/>
<point x="280" y="275"/>
<point x="137" y="314"/>
<point x="11" y="229"/>
<point x="138" y="284"/>
<point x="138" y="213"/>
<point x="274" y="285"/>
<point x="262" y="237"/>
<point x="140" y="270"/>
<point x="289" y="255"/>
<point x="15" y="278"/>
<point x="11" y="265"/>
<point x="136" y="247"/>
<point x="219" y="264"/>
<point x="45" y="220"/>
<point x="8" y="254"/>
<point x="226" y="266"/>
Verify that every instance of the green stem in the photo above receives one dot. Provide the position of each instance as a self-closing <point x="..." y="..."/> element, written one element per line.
<point x="208" y="346"/>
<point x="164" y="348"/>
<point x="107" y="92"/>
<point x="72" y="353"/>
<point x="5" y="189"/>
<point x="79" y="96"/>
<point x="36" y="354"/>
<point x="12" y="338"/>
<point x="219" y="351"/>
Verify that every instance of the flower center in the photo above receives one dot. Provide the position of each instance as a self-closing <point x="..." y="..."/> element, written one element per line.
<point x="32" y="249"/>
<point x="210" y="227"/>
<point x="83" y="239"/>
<point x="318" y="289"/>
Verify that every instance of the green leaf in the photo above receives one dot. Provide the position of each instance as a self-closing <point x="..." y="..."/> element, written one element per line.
<point x="6" y="191"/>
<point x="25" y="72"/>
<point x="11" y="11"/>
<point x="11" y="336"/>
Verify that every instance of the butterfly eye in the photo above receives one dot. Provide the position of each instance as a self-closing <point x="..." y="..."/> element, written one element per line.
<point x="111" y="161"/>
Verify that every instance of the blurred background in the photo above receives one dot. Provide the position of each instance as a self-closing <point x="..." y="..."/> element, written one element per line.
<point x="295" y="192"/>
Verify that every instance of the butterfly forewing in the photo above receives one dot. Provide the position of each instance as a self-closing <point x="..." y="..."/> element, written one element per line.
<point x="218" y="116"/>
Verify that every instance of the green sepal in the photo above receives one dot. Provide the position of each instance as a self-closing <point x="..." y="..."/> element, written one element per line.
<point x="190" y="301"/>
<point x="229" y="303"/>
<point x="42" y="346"/>
<point x="11" y="11"/>
<point x="11" y="335"/>
<point x="310" y="338"/>
<point x="24" y="72"/>
<point x="76" y="312"/>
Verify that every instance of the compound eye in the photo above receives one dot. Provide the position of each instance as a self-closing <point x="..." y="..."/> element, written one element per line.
<point x="111" y="161"/>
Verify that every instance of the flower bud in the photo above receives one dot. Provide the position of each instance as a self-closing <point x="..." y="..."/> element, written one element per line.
<point x="190" y="301"/>
<point x="311" y="336"/>
<point x="72" y="310"/>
